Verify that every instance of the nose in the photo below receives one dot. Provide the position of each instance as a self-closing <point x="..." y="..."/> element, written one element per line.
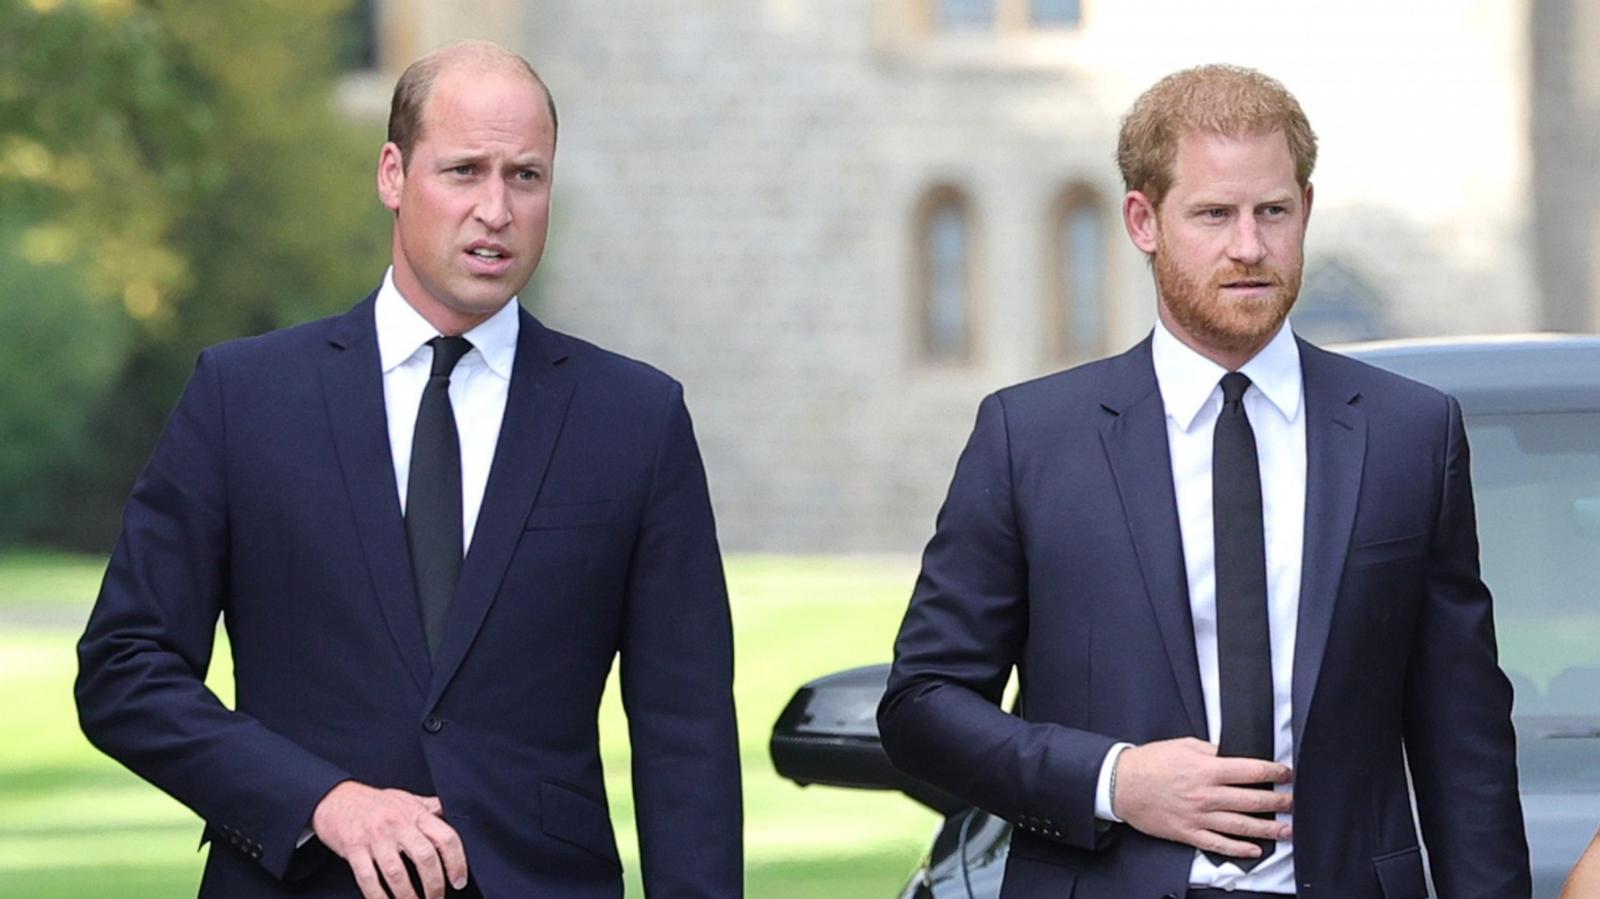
<point x="494" y="206"/>
<point x="1247" y="247"/>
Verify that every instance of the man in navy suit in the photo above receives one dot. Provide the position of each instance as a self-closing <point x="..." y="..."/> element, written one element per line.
<point x="1237" y="576"/>
<point x="429" y="525"/>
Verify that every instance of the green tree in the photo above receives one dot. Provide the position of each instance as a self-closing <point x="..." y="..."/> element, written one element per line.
<point x="172" y="174"/>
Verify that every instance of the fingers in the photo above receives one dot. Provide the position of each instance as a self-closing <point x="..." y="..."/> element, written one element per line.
<point x="449" y="848"/>
<point x="435" y="851"/>
<point x="433" y="805"/>
<point x="1234" y="824"/>
<point x="425" y="858"/>
<point x="1246" y="799"/>
<point x="1211" y="841"/>
<point x="1231" y="770"/>
<point x="394" y="873"/>
<point x="366" y="874"/>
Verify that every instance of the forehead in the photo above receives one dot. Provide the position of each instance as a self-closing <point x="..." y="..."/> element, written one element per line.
<point x="1208" y="162"/>
<point x="471" y="108"/>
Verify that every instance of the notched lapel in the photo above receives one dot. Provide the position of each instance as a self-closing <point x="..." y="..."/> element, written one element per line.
<point x="352" y="386"/>
<point x="542" y="380"/>
<point x="1336" y="451"/>
<point x="1135" y="438"/>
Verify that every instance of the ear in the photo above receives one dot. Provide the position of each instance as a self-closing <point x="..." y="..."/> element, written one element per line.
<point x="391" y="176"/>
<point x="1305" y="217"/>
<point x="1139" y="217"/>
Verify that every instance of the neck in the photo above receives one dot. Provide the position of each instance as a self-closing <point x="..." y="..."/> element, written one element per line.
<point x="447" y="321"/>
<point x="1231" y="358"/>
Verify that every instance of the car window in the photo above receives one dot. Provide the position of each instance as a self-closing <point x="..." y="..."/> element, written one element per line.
<point x="1536" y="478"/>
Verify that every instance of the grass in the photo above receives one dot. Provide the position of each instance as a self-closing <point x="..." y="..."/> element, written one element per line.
<point x="75" y="824"/>
<point x="45" y="579"/>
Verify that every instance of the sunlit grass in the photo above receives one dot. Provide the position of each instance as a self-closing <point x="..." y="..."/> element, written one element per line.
<point x="39" y="578"/>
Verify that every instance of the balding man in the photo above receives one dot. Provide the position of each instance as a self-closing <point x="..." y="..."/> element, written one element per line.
<point x="431" y="524"/>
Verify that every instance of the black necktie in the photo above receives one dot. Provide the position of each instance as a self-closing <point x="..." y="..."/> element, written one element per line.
<point x="433" y="493"/>
<point x="1244" y="643"/>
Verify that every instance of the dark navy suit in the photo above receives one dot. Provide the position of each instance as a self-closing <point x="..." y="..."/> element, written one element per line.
<point x="1058" y="552"/>
<point x="271" y="501"/>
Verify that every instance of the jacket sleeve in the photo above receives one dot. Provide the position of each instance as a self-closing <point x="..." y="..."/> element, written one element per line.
<point x="677" y="682"/>
<point x="1459" y="740"/>
<point x="964" y="631"/>
<point x="143" y="658"/>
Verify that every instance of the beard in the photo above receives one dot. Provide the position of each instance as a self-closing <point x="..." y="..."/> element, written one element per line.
<point x="1230" y="325"/>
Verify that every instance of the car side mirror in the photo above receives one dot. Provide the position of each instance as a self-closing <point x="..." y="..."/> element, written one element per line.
<point x="828" y="734"/>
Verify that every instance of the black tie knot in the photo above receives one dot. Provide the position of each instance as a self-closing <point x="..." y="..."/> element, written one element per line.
<point x="1234" y="384"/>
<point x="447" y="351"/>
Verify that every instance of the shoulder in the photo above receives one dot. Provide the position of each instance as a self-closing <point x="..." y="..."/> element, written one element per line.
<point x="602" y="369"/>
<point x="1375" y="390"/>
<point x="276" y="348"/>
<point x="1091" y="389"/>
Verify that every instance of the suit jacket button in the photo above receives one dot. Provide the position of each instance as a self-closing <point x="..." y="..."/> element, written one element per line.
<point x="432" y="724"/>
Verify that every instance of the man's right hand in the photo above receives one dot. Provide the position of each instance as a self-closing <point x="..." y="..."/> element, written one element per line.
<point x="1181" y="790"/>
<point x="371" y="828"/>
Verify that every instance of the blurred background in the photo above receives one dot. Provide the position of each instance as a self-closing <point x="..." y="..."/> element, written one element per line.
<point x="839" y="222"/>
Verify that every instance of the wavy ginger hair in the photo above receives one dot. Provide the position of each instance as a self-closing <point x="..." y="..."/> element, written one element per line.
<point x="1216" y="99"/>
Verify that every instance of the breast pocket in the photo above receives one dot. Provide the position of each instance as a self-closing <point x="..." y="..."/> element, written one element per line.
<point x="589" y="513"/>
<point x="1394" y="549"/>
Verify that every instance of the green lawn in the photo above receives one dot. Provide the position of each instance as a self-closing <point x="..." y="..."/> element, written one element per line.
<point x="74" y="824"/>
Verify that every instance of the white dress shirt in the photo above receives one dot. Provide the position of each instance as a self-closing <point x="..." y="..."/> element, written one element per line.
<point x="478" y="388"/>
<point x="1274" y="403"/>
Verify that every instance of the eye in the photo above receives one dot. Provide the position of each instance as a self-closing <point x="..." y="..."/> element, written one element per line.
<point x="1214" y="214"/>
<point x="464" y="169"/>
<point x="1276" y="210"/>
<point x="529" y="175"/>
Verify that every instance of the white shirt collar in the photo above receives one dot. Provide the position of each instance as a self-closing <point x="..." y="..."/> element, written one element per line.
<point x="1187" y="380"/>
<point x="402" y="331"/>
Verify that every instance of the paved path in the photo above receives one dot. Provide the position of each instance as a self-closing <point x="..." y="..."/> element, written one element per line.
<point x="43" y="617"/>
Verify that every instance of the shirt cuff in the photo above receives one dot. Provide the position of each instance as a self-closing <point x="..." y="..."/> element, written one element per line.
<point x="307" y="834"/>
<point x="1102" y="789"/>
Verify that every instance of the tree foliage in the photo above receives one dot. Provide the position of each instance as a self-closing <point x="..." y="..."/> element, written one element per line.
<point x="172" y="174"/>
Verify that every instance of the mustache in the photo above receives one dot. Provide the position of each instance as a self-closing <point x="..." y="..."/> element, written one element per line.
<point x="1251" y="274"/>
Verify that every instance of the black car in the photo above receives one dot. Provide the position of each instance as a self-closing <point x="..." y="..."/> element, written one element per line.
<point x="1532" y="408"/>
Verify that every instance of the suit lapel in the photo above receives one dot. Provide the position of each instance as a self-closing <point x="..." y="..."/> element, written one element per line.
<point x="536" y="406"/>
<point x="1336" y="441"/>
<point x="1135" y="438"/>
<point x="352" y="381"/>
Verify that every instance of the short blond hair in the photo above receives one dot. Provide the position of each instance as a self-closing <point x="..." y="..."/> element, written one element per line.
<point x="1215" y="99"/>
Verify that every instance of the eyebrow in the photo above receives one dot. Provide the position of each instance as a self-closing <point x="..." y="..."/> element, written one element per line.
<point x="1278" y="200"/>
<point x="451" y="160"/>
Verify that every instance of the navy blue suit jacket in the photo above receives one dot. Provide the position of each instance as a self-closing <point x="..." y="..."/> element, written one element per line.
<point x="1058" y="552"/>
<point x="271" y="501"/>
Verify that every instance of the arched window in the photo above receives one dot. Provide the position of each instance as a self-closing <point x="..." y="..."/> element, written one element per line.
<point x="1055" y="13"/>
<point x="943" y="274"/>
<point x="964" y="13"/>
<point x="1077" y="299"/>
<point x="996" y="17"/>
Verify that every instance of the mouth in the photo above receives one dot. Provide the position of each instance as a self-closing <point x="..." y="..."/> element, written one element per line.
<point x="484" y="249"/>
<point x="486" y="258"/>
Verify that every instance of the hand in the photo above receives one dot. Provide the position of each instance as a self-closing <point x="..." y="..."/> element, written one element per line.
<point x="371" y="828"/>
<point x="1181" y="790"/>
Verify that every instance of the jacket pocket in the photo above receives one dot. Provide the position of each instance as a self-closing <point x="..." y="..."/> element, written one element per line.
<point x="571" y="515"/>
<point x="574" y="818"/>
<point x="1400" y="874"/>
<point x="1374" y="552"/>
